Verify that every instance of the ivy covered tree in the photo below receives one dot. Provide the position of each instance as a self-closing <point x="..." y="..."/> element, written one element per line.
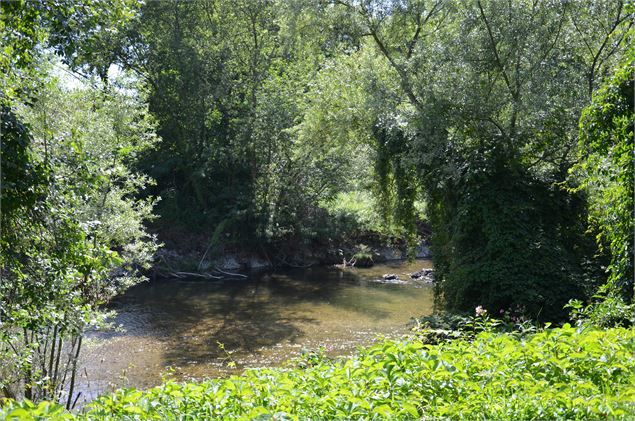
<point x="606" y="172"/>
<point x="488" y="99"/>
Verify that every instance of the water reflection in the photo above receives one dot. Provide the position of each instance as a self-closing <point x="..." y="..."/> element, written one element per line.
<point x="263" y="320"/>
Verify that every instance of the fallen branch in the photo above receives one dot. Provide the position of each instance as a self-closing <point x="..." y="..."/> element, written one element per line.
<point x="197" y="275"/>
<point x="238" y="275"/>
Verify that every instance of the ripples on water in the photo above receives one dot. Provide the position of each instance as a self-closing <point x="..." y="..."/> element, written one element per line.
<point x="173" y="327"/>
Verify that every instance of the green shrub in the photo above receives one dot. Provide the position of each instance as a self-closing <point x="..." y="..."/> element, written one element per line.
<point x="607" y="311"/>
<point x="363" y="257"/>
<point x="563" y="373"/>
<point x="441" y="327"/>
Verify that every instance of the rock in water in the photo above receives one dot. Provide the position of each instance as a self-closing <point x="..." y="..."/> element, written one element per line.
<point x="390" y="278"/>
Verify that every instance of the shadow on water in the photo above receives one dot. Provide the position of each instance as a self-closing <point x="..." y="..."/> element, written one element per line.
<point x="263" y="320"/>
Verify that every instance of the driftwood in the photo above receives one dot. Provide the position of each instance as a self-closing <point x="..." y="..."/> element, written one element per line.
<point x="216" y="273"/>
<point x="206" y="275"/>
<point x="194" y="275"/>
<point x="347" y="263"/>
<point x="200" y="263"/>
<point x="238" y="275"/>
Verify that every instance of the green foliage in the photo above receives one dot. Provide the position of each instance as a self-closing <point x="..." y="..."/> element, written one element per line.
<point x="486" y="110"/>
<point x="72" y="231"/>
<point x="606" y="148"/>
<point x="279" y="119"/>
<point x="506" y="244"/>
<point x="77" y="241"/>
<point x="228" y="83"/>
<point x="476" y="106"/>
<point x="80" y="32"/>
<point x="354" y="110"/>
<point x="27" y="411"/>
<point x="559" y="373"/>
<point x="265" y="114"/>
<point x="397" y="181"/>
<point x="23" y="179"/>
<point x="605" y="311"/>
<point x="442" y="327"/>
<point x="363" y="256"/>
<point x="91" y="139"/>
<point x="356" y="206"/>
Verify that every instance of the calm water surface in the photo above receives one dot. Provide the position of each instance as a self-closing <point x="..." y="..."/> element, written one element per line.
<point x="173" y="327"/>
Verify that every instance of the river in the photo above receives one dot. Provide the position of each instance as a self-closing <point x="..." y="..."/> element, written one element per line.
<point x="172" y="328"/>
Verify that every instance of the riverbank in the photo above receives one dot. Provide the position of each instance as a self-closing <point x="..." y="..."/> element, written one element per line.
<point x="193" y="260"/>
<point x="562" y="373"/>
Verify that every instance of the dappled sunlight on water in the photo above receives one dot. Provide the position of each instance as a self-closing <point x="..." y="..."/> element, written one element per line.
<point x="173" y="327"/>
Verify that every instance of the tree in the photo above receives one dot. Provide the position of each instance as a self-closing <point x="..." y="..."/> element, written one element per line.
<point x="80" y="243"/>
<point x="606" y="172"/>
<point x="72" y="235"/>
<point x="493" y="93"/>
<point x="228" y="83"/>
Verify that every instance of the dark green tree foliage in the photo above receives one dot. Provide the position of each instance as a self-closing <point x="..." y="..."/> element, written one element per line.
<point x="201" y="103"/>
<point x="192" y="84"/>
<point x="506" y="231"/>
<point x="504" y="239"/>
<point x="490" y="95"/>
<point x="23" y="178"/>
<point x="227" y="83"/>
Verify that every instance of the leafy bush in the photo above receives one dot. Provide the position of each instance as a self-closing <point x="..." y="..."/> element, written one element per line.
<point x="441" y="327"/>
<point x="438" y="328"/>
<point x="363" y="257"/>
<point x="554" y="374"/>
<point x="608" y="311"/>
<point x="78" y="239"/>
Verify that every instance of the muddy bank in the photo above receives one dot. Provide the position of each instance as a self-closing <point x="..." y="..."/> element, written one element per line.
<point x="169" y="261"/>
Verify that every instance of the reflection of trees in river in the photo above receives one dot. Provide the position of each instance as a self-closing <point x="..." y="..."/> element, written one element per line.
<point x="192" y="316"/>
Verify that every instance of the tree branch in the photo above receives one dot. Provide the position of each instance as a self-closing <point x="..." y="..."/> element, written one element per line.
<point x="618" y="20"/>
<point x="492" y="40"/>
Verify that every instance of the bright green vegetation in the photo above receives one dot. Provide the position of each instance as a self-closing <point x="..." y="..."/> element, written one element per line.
<point x="73" y="222"/>
<point x="561" y="373"/>
<point x="80" y="241"/>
